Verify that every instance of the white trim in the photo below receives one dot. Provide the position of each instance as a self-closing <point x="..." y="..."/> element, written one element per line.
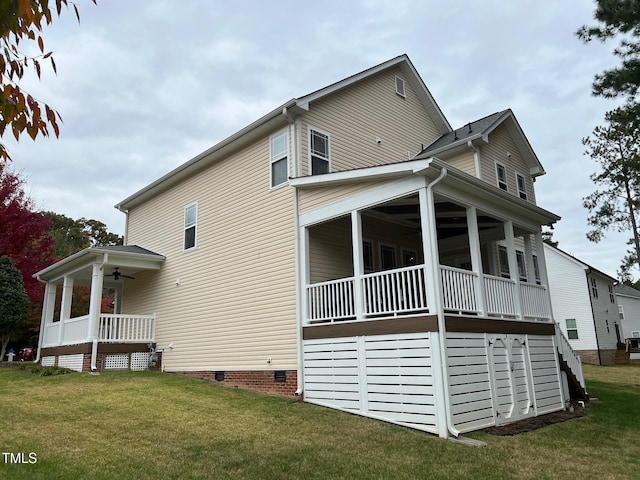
<point x="185" y="227"/>
<point x="310" y="129"/>
<point x="279" y="158"/>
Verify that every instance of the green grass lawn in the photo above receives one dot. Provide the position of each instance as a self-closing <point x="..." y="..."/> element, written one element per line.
<point x="128" y="425"/>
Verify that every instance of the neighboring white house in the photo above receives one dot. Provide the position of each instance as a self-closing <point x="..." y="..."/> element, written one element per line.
<point x="629" y="310"/>
<point x="584" y="304"/>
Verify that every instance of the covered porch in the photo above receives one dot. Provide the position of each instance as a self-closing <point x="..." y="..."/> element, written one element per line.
<point x="78" y="335"/>
<point x="438" y="248"/>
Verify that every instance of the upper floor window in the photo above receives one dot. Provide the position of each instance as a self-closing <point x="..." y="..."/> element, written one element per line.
<point x="612" y="297"/>
<point x="387" y="257"/>
<point x="522" y="266"/>
<point x="400" y="87"/>
<point x="503" y="260"/>
<point x="279" y="148"/>
<point x="501" y="176"/>
<point x="594" y="287"/>
<point x="319" y="152"/>
<point x="621" y="312"/>
<point x="522" y="186"/>
<point x="536" y="269"/>
<point x="190" y="225"/>
<point x="367" y="256"/>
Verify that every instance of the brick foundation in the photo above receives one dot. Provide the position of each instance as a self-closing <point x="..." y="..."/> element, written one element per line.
<point x="262" y="381"/>
<point x="606" y="357"/>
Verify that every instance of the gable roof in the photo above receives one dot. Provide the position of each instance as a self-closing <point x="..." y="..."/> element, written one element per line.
<point x="626" y="291"/>
<point x="279" y="117"/>
<point x="478" y="132"/>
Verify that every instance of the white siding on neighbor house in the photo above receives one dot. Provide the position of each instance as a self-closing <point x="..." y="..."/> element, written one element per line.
<point x="570" y="298"/>
<point x="355" y="117"/>
<point x="229" y="303"/>
<point x="631" y="311"/>
<point x="500" y="144"/>
<point x="605" y="312"/>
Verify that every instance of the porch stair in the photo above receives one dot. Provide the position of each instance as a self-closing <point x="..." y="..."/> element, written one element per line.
<point x="571" y="364"/>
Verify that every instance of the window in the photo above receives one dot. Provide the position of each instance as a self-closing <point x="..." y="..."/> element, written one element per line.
<point x="279" y="147"/>
<point x="501" y="176"/>
<point x="522" y="266"/>
<point x="503" y="260"/>
<point x="594" y="287"/>
<point x="536" y="270"/>
<point x="635" y="334"/>
<point x="612" y="297"/>
<point x="387" y="257"/>
<point x="621" y="312"/>
<point x="190" y="223"/>
<point x="319" y="152"/>
<point x="400" y="87"/>
<point x="572" y="329"/>
<point x="522" y="186"/>
<point x="367" y="256"/>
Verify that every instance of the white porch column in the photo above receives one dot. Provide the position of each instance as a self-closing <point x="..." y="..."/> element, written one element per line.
<point x="476" y="258"/>
<point x="513" y="266"/>
<point x="65" y="307"/>
<point x="542" y="267"/>
<point x="528" y="255"/>
<point x="430" y="249"/>
<point x="95" y="301"/>
<point x="358" y="266"/>
<point x="48" y="306"/>
<point x="305" y="276"/>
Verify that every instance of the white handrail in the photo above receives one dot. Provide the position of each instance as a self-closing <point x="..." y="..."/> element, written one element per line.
<point x="401" y="290"/>
<point x="126" y="328"/>
<point x="459" y="289"/>
<point x="331" y="300"/>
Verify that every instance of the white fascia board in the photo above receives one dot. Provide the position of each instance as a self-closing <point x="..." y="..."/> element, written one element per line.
<point x="380" y="172"/>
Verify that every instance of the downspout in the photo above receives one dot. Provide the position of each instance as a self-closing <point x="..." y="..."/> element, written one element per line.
<point x="593" y="315"/>
<point x="298" y="267"/>
<point x="94" y="346"/>
<point x="439" y="308"/>
<point x="476" y="158"/>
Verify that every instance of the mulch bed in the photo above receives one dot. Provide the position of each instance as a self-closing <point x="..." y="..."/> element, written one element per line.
<point x="534" y="423"/>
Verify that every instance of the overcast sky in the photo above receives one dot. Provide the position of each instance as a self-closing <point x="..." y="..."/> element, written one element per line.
<point x="144" y="86"/>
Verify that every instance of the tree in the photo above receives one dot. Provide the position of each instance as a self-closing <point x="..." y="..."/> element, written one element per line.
<point x="616" y="148"/>
<point x="71" y="235"/>
<point x="22" y="21"/>
<point x="14" y="302"/>
<point x="24" y="233"/>
<point x="621" y="19"/>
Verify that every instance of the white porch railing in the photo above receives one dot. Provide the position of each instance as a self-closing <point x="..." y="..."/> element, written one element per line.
<point x="122" y="328"/>
<point x="500" y="296"/>
<point x="569" y="355"/>
<point x="534" y="302"/>
<point x="392" y="292"/>
<point x="459" y="289"/>
<point x="404" y="291"/>
<point x="332" y="300"/>
<point x="112" y="328"/>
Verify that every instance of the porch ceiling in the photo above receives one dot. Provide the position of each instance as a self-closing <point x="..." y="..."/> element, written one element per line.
<point x="126" y="260"/>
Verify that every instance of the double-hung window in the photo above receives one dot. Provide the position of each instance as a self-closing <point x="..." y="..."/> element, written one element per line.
<point x="501" y="176"/>
<point x="594" y="287"/>
<point x="503" y="261"/>
<point x="522" y="266"/>
<point x="572" y="329"/>
<point x="190" y="225"/>
<point x="279" y="149"/>
<point x="522" y="186"/>
<point x="319" y="152"/>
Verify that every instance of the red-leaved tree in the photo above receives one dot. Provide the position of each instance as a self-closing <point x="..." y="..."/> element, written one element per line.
<point x="24" y="233"/>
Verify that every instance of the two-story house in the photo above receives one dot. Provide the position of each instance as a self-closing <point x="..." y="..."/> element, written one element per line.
<point x="350" y="247"/>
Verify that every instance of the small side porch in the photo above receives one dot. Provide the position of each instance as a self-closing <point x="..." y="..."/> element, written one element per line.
<point x="96" y="334"/>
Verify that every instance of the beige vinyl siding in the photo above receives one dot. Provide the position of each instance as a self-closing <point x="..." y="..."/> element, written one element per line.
<point x="356" y="116"/>
<point x="501" y="143"/>
<point x="317" y="197"/>
<point x="465" y="162"/>
<point x="235" y="305"/>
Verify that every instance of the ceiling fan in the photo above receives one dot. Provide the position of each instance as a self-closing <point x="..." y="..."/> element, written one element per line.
<point x="116" y="274"/>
